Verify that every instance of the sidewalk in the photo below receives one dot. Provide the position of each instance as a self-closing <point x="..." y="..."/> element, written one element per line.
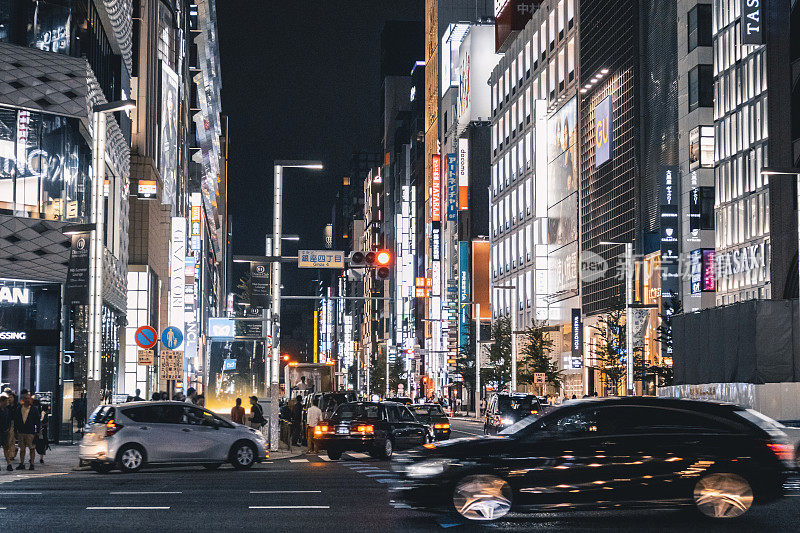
<point x="59" y="458"/>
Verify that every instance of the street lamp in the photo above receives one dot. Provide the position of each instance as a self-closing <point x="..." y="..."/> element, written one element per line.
<point x="628" y="310"/>
<point x="514" y="311"/>
<point x="277" y="221"/>
<point x="99" y="117"/>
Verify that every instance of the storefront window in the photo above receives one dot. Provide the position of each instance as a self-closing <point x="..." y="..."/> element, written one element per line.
<point x="44" y="167"/>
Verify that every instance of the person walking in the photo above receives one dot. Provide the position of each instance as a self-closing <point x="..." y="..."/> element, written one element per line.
<point x="237" y="413"/>
<point x="138" y="397"/>
<point x="313" y="417"/>
<point x="297" y="421"/>
<point x="257" y="419"/>
<point x="6" y="430"/>
<point x="26" y="425"/>
<point x="42" y="442"/>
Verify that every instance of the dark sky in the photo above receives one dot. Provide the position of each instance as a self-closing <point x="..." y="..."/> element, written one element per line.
<point x="300" y="80"/>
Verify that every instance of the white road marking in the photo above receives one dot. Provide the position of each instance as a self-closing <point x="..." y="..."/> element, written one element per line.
<point x="358" y="455"/>
<point x="19" y="493"/>
<point x="285" y="491"/>
<point x="127" y="508"/>
<point x="2" y="508"/>
<point x="386" y="480"/>
<point x="467" y="432"/>
<point x="290" y="507"/>
<point x="383" y="473"/>
<point x="298" y="460"/>
<point x="324" y="457"/>
<point x="146" y="492"/>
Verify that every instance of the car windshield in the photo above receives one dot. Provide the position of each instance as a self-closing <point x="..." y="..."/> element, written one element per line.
<point x="350" y="411"/>
<point x="427" y="410"/>
<point x="517" y="404"/>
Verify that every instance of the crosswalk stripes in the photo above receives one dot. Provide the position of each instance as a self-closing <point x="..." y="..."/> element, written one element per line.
<point x="303" y="460"/>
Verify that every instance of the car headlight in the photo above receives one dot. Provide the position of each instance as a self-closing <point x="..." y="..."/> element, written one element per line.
<point x="507" y="421"/>
<point x="427" y="468"/>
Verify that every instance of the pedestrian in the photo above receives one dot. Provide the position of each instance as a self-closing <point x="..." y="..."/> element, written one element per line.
<point x="297" y="421"/>
<point x="6" y="430"/>
<point x="237" y="413"/>
<point x="313" y="417"/>
<point x="565" y="398"/>
<point x="574" y="397"/>
<point x="155" y="397"/>
<point x="138" y="397"/>
<point x="200" y="400"/>
<point x="42" y="442"/>
<point x="26" y="425"/>
<point x="257" y="419"/>
<point x="164" y="396"/>
<point x="191" y="395"/>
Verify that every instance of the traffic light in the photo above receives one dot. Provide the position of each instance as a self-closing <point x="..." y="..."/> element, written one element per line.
<point x="382" y="260"/>
<point x="286" y="357"/>
<point x="378" y="260"/>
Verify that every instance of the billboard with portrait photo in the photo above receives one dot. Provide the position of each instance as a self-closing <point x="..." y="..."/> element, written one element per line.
<point x="168" y="153"/>
<point x="562" y="154"/>
<point x="562" y="222"/>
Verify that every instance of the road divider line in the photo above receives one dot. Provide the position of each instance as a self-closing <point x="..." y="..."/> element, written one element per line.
<point x="128" y="508"/>
<point x="285" y="491"/>
<point x="298" y="460"/>
<point x="146" y="492"/>
<point x="20" y="493"/>
<point x="290" y="507"/>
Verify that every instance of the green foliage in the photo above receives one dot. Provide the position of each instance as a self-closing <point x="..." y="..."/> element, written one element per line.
<point x="535" y="356"/>
<point x="397" y="373"/>
<point x="499" y="367"/>
<point x="377" y="372"/>
<point x="609" y="352"/>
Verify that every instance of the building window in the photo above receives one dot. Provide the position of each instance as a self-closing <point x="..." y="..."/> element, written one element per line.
<point x="701" y="87"/>
<point x="699" y="26"/>
<point x="701" y="147"/>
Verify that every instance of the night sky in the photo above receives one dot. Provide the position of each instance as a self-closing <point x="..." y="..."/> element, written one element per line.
<point x="300" y="80"/>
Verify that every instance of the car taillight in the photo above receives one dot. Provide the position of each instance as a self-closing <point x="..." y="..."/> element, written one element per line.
<point x="319" y="430"/>
<point x="364" y="429"/>
<point x="441" y="426"/>
<point x="782" y="451"/>
<point x="112" y="427"/>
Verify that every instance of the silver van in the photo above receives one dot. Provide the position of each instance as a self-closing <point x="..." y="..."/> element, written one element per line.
<point x="131" y="435"/>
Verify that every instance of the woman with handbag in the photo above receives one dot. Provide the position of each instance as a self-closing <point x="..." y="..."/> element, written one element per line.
<point x="41" y="441"/>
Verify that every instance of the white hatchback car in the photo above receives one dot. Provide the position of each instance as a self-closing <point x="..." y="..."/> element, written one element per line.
<point x="131" y="435"/>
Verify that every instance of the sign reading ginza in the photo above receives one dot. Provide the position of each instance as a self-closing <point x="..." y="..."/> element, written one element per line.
<point x="320" y="259"/>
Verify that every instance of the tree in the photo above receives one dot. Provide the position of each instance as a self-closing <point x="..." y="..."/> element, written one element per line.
<point x="465" y="364"/>
<point x="377" y="371"/>
<point x="663" y="371"/>
<point x="397" y="373"/>
<point x="535" y="356"/>
<point x="499" y="367"/>
<point x="609" y="351"/>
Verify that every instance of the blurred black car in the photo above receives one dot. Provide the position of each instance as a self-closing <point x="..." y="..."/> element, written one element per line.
<point x="432" y="415"/>
<point x="377" y="428"/>
<point x="405" y="400"/>
<point x="505" y="409"/>
<point x="605" y="453"/>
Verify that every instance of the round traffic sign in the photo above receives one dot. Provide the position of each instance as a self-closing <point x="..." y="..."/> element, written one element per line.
<point x="171" y="338"/>
<point x="146" y="337"/>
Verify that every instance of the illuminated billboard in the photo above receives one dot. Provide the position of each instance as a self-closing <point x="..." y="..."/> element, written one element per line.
<point x="603" y="132"/>
<point x="436" y="192"/>
<point x="168" y="158"/>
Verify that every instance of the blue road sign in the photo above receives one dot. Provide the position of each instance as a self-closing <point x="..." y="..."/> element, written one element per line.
<point x="146" y="337"/>
<point x="171" y="338"/>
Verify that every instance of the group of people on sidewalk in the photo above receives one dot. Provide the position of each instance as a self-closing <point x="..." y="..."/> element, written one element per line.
<point x="23" y="425"/>
<point x="292" y="413"/>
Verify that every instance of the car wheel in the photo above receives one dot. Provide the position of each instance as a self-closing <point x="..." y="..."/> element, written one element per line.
<point x="723" y="495"/>
<point x="388" y="449"/>
<point x="130" y="458"/>
<point x="482" y="497"/>
<point x="243" y="455"/>
<point x="212" y="466"/>
<point x="334" y="455"/>
<point x="101" y="468"/>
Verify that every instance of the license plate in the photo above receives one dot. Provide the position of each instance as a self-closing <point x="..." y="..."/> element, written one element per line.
<point x="342" y="431"/>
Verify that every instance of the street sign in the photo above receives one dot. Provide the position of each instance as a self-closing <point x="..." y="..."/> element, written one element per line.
<point x="171" y="338"/>
<point x="146" y="337"/>
<point x="228" y="364"/>
<point x="145" y="357"/>
<point x="538" y="378"/>
<point x="171" y="365"/>
<point x="320" y="259"/>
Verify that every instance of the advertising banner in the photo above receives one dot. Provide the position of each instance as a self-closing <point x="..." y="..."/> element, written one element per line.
<point x="168" y="157"/>
<point x="577" y="339"/>
<point x="752" y="24"/>
<point x="480" y="278"/>
<point x="562" y="222"/>
<point x="463" y="174"/>
<point x="452" y="187"/>
<point x="603" y="132"/>
<point x="77" y="286"/>
<point x="670" y="220"/>
<point x="436" y="193"/>
<point x="436" y="241"/>
<point x="147" y="189"/>
<point x="463" y="292"/>
<point x="177" y="276"/>
<point x="259" y="285"/>
<point x="562" y="154"/>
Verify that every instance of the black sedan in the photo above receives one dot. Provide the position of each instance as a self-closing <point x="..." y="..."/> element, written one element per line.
<point x="377" y="428"/>
<point x="505" y="409"/>
<point x="432" y="415"/>
<point x="605" y="453"/>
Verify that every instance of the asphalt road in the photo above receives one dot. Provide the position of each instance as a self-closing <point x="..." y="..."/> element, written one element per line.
<point x="308" y="493"/>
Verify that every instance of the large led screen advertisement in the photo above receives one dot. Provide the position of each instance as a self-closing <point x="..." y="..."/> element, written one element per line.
<point x="562" y="222"/>
<point x="168" y="158"/>
<point x="562" y="155"/>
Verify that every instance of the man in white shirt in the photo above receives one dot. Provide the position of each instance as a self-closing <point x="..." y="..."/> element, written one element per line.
<point x="313" y="417"/>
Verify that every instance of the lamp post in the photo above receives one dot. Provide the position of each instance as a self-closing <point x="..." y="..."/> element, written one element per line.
<point x="96" y="247"/>
<point x="277" y="222"/>
<point x="628" y="310"/>
<point x="514" y="311"/>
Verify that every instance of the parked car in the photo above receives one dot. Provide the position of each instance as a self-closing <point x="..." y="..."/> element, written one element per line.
<point x="133" y="435"/>
<point x="505" y="409"/>
<point x="432" y="415"/>
<point x="377" y="428"/>
<point x="606" y="453"/>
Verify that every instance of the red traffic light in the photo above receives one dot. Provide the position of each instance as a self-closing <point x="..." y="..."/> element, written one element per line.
<point x="286" y="357"/>
<point x="383" y="258"/>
